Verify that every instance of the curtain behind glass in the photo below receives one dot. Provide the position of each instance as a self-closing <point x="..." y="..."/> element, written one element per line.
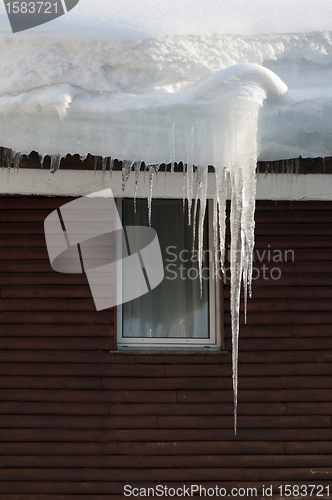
<point x="174" y="309"/>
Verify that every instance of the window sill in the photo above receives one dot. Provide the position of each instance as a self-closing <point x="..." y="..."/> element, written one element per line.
<point x="169" y="350"/>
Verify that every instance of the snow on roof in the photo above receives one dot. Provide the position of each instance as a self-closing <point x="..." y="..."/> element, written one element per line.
<point x="132" y="19"/>
<point x="98" y="79"/>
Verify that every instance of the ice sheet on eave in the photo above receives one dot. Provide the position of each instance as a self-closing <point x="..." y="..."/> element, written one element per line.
<point x="97" y="79"/>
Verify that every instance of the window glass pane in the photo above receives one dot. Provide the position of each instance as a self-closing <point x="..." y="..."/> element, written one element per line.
<point x="174" y="309"/>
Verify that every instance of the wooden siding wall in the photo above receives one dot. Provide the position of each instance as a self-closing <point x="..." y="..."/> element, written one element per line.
<point x="79" y="422"/>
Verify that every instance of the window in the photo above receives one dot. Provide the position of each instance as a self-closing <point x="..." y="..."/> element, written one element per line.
<point x="175" y="313"/>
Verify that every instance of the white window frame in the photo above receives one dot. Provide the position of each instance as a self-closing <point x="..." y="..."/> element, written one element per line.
<point x="214" y="342"/>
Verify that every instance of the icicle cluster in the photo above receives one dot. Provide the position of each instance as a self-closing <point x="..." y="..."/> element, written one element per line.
<point x="235" y="150"/>
<point x="221" y="123"/>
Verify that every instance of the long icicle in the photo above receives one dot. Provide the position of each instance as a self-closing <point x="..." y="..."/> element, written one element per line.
<point x="202" y="173"/>
<point x="236" y="275"/>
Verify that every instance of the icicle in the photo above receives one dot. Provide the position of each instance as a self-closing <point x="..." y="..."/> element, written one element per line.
<point x="236" y="266"/>
<point x="41" y="160"/>
<point x="137" y="168"/>
<point x="195" y="208"/>
<point x="153" y="169"/>
<point x="17" y="161"/>
<point x="111" y="166"/>
<point x="202" y="194"/>
<point x="267" y="168"/>
<point x="55" y="163"/>
<point x="219" y="222"/>
<point x="95" y="163"/>
<point x="184" y="171"/>
<point x="126" y="169"/>
<point x="7" y="158"/>
<point x="104" y="163"/>
<point x="166" y="170"/>
<point x="190" y="169"/>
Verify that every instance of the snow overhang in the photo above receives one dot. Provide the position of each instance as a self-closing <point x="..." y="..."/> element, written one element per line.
<point x="112" y="79"/>
<point x="122" y="98"/>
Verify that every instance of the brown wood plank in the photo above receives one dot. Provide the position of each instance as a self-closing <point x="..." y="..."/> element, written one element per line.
<point x="177" y="462"/>
<point x="74" y="356"/>
<point x="264" y="216"/>
<point x="286" y="344"/>
<point x="285" y="305"/>
<point x="64" y="448"/>
<point x="45" y="292"/>
<point x="292" y="242"/>
<point x="246" y="357"/>
<point x="252" y="422"/>
<point x="115" y="490"/>
<point x="275" y="331"/>
<point x="126" y="367"/>
<point x="107" y="488"/>
<point x="248" y="370"/>
<point x="77" y="423"/>
<point x="231" y="447"/>
<point x="307" y="382"/>
<point x="274" y="292"/>
<point x="307" y="448"/>
<point x="41" y="408"/>
<point x="28" y="253"/>
<point x="57" y="331"/>
<point x="64" y="356"/>
<point x="33" y="496"/>
<point x="293" y="206"/>
<point x="258" y="396"/>
<point x="34" y="216"/>
<point x="120" y="366"/>
<point x="23" y="215"/>
<point x="309" y="267"/>
<point x="94" y="396"/>
<point x="291" y="280"/>
<point x="43" y="279"/>
<point x="312" y="408"/>
<point x="286" y="318"/>
<point x="50" y="343"/>
<point x="6" y="241"/>
<point x="60" y="488"/>
<point x="187" y="383"/>
<point x="296" y="229"/>
<point x="199" y="409"/>
<point x="50" y="383"/>
<point x="158" y="435"/>
<point x="17" y="228"/>
<point x="63" y="317"/>
<point x="27" y="408"/>
<point x="163" y="475"/>
<point x="310" y="305"/>
<point x="64" y="304"/>
<point x="25" y="266"/>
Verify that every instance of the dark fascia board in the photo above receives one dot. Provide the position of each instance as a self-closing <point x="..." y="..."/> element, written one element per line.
<point x="74" y="162"/>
